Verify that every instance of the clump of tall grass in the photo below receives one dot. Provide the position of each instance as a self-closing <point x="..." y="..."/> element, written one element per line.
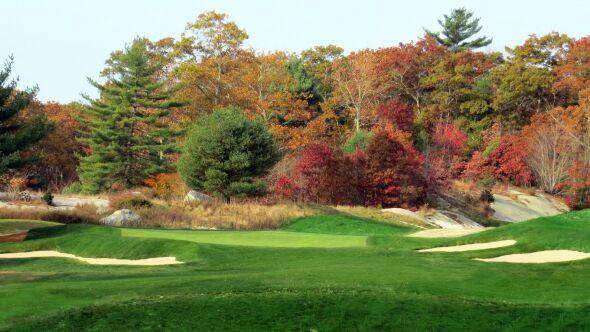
<point x="84" y="214"/>
<point x="218" y="215"/>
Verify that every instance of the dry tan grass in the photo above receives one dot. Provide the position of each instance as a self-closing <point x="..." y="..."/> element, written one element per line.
<point x="377" y="214"/>
<point x="241" y="216"/>
<point x="84" y="214"/>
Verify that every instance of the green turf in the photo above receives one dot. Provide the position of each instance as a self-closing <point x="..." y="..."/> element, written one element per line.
<point x="257" y="239"/>
<point x="344" y="225"/>
<point x="236" y="284"/>
<point x="16" y="226"/>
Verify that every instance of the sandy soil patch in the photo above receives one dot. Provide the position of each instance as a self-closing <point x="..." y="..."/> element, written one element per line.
<point x="545" y="256"/>
<point x="16" y="237"/>
<point x="473" y="246"/>
<point x="94" y="261"/>
<point x="439" y="232"/>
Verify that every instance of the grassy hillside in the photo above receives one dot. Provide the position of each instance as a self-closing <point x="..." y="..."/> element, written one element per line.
<point x="323" y="272"/>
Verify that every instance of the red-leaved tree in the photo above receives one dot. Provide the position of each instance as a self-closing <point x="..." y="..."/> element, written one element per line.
<point x="577" y="187"/>
<point x="397" y="112"/>
<point x="508" y="161"/>
<point x="443" y="155"/>
<point x="394" y="171"/>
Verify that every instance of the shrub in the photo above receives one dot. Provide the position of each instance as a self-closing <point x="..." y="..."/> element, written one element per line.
<point x="487" y="184"/>
<point x="311" y="170"/>
<point x="226" y="154"/>
<point x="508" y="161"/>
<point x="285" y="188"/>
<point x="325" y="176"/>
<point x="577" y="187"/>
<point x="72" y="188"/>
<point x="84" y="214"/>
<point x="450" y="137"/>
<point x="504" y="159"/>
<point x="477" y="167"/>
<point x="443" y="155"/>
<point x="166" y="185"/>
<point x="47" y="198"/>
<point x="129" y="201"/>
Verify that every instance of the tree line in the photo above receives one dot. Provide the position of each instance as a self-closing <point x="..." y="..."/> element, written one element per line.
<point x="403" y="121"/>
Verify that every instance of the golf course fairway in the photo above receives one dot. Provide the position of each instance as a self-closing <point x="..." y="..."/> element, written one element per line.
<point x="322" y="273"/>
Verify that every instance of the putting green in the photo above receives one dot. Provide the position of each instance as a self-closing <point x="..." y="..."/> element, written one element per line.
<point x="254" y="239"/>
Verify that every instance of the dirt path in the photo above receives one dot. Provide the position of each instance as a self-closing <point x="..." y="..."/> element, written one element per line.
<point x="473" y="246"/>
<point x="94" y="261"/>
<point x="545" y="256"/>
<point x="439" y="232"/>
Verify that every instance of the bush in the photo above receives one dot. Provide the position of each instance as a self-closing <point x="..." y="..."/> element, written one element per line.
<point x="47" y="198"/>
<point x="504" y="159"/>
<point x="167" y="185"/>
<point x="577" y="187"/>
<point x="129" y="201"/>
<point x="487" y="184"/>
<point x="72" y="188"/>
<point x="508" y="161"/>
<point x="85" y="214"/>
<point x="226" y="153"/>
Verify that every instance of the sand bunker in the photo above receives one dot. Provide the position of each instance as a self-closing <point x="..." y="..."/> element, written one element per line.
<point x="473" y="246"/>
<point x="545" y="256"/>
<point x="439" y="232"/>
<point x="94" y="261"/>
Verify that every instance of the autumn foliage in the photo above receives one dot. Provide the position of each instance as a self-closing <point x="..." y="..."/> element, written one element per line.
<point x="393" y="168"/>
<point x="382" y="127"/>
<point x="506" y="162"/>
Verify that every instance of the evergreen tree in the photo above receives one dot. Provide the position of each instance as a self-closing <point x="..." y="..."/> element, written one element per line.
<point x="225" y="154"/>
<point x="16" y="134"/>
<point x="457" y="29"/>
<point x="125" y="130"/>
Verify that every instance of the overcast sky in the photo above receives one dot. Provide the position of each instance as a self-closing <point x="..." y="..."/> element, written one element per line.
<point x="58" y="43"/>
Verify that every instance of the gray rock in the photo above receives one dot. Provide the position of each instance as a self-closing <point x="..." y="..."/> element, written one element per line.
<point x="520" y="207"/>
<point x="122" y="218"/>
<point x="194" y="196"/>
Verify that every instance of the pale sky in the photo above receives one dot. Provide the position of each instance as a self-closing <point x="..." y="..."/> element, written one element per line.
<point x="58" y="43"/>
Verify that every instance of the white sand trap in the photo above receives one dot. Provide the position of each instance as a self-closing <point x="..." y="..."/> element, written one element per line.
<point x="441" y="232"/>
<point x="94" y="261"/>
<point x="473" y="246"/>
<point x="545" y="256"/>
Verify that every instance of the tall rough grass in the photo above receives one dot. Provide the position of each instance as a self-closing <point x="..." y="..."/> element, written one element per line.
<point x="216" y="215"/>
<point x="85" y="214"/>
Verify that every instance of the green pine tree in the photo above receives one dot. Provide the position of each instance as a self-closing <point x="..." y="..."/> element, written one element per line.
<point x="15" y="134"/>
<point x="226" y="154"/>
<point x="457" y="29"/>
<point x="125" y="128"/>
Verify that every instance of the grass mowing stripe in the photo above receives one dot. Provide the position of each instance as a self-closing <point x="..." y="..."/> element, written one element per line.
<point x="256" y="239"/>
<point x="373" y="287"/>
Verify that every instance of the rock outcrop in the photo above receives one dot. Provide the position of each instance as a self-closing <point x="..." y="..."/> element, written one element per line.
<point x="520" y="207"/>
<point x="194" y="196"/>
<point x="122" y="218"/>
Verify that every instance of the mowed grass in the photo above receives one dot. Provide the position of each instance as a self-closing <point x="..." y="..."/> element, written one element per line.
<point x="334" y="231"/>
<point x="255" y="238"/>
<point x="16" y="226"/>
<point x="228" y="284"/>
